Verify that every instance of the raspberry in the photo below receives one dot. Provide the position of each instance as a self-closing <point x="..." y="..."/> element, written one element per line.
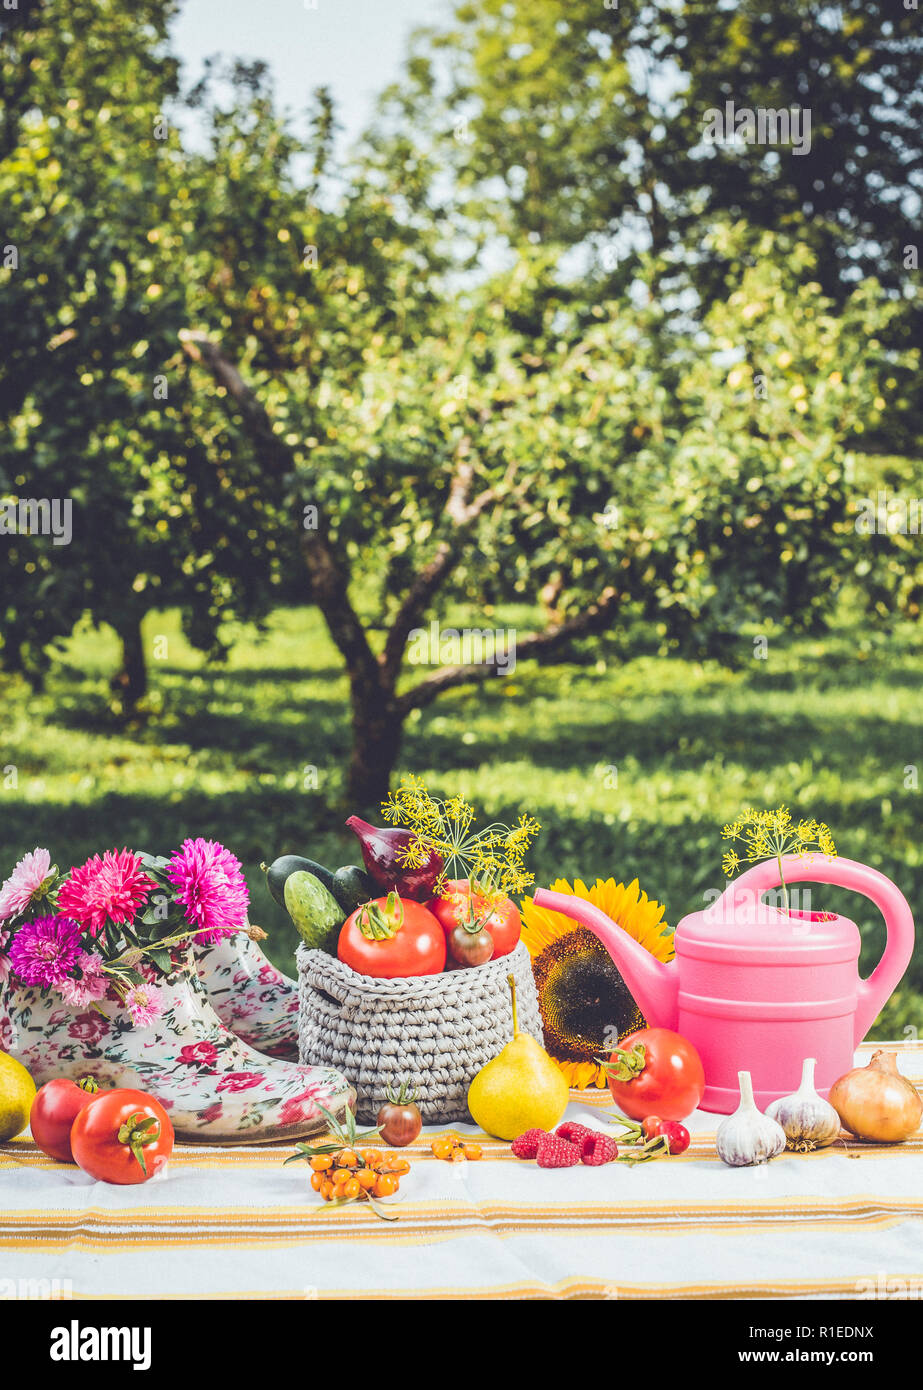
<point x="526" y="1146"/>
<point x="556" y="1153"/>
<point x="576" y="1134"/>
<point x="600" y="1149"/>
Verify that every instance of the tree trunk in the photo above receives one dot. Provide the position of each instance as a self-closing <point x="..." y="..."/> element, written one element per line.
<point x="377" y="730"/>
<point x="130" y="683"/>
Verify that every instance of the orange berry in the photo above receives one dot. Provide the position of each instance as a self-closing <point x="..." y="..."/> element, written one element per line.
<point x="472" y="1151"/>
<point x="442" y="1148"/>
<point x="317" y="1181"/>
<point x="341" y="1177"/>
<point x="327" y="1191"/>
<point x="321" y="1162"/>
<point x="372" y="1157"/>
<point x="400" y="1166"/>
<point x="386" y="1184"/>
<point x="351" y="1188"/>
<point x="366" y="1178"/>
<point x="346" y="1158"/>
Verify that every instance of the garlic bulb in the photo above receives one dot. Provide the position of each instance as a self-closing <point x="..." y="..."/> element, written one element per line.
<point x="809" y="1121"/>
<point x="748" y="1137"/>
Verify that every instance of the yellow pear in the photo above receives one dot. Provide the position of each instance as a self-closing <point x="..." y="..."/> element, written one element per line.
<point x="17" y="1092"/>
<point x="520" y="1089"/>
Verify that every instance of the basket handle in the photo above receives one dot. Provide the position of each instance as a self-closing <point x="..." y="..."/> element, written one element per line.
<point x="324" y="986"/>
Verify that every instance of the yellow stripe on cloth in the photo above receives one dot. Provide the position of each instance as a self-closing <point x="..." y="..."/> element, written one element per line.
<point x="565" y="1289"/>
<point x="136" y="1228"/>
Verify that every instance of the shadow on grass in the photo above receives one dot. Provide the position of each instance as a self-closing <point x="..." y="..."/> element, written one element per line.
<point x="263" y="737"/>
<point x="676" y="736"/>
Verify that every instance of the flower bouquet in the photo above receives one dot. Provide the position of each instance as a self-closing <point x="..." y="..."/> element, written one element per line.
<point x="108" y="928"/>
<point x="97" y="979"/>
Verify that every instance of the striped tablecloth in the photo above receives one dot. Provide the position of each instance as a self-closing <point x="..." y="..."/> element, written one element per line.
<point x="845" y="1222"/>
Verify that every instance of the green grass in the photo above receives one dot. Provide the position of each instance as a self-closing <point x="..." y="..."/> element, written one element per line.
<point x="631" y="767"/>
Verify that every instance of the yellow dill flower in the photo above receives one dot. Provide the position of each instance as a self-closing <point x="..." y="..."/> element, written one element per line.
<point x="492" y="855"/>
<point x="771" y="835"/>
<point x="731" y="863"/>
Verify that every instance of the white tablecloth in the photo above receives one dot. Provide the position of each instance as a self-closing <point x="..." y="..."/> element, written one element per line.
<point x="233" y="1222"/>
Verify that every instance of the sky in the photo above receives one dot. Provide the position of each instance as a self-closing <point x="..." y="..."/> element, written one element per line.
<point x="355" y="47"/>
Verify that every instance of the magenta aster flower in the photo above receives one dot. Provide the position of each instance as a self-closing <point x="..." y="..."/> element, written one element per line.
<point x="44" y="952"/>
<point x="211" y="886"/>
<point x="113" y="887"/>
<point x="24" y="883"/>
<point x="144" y="1003"/>
<point x="91" y="985"/>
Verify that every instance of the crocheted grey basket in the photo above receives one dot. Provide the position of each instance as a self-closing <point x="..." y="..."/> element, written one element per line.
<point x="436" y="1030"/>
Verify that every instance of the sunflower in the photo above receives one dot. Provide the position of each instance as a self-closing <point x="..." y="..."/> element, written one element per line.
<point x="582" y="996"/>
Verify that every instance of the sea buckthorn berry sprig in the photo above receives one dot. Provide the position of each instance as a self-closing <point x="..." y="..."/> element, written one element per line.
<point x="454" y="1150"/>
<point x="343" y="1171"/>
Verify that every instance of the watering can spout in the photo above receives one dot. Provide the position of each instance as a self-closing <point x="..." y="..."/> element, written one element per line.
<point x="655" y="986"/>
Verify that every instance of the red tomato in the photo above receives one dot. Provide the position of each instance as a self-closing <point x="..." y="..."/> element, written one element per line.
<point x="392" y="938"/>
<point x="57" y="1104"/>
<point x="122" y="1136"/>
<point x="501" y="918"/>
<point x="661" y="1075"/>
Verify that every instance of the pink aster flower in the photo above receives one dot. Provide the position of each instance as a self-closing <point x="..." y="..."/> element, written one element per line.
<point x="44" y="952"/>
<point x="211" y="886"/>
<point x="24" y="883"/>
<point x="144" y="1004"/>
<point x="92" y="984"/>
<point x="113" y="887"/>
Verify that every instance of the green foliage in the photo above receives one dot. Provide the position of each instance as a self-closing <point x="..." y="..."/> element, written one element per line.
<point x="94" y="196"/>
<point x="570" y="397"/>
<point x="573" y="122"/>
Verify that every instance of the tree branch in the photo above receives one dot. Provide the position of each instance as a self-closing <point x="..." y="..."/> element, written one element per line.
<point x="460" y="512"/>
<point x="541" y="644"/>
<point x="329" y="577"/>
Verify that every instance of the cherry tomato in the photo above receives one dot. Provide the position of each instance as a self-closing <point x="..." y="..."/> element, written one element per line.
<point x="676" y="1135"/>
<point x="656" y="1072"/>
<point x="122" y="1136"/>
<point x="399" y="1120"/>
<point x="457" y="905"/>
<point x="392" y="938"/>
<point x="57" y="1104"/>
<point x="470" y="948"/>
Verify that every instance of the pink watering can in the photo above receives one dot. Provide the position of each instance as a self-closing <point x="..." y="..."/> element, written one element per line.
<point x="757" y="989"/>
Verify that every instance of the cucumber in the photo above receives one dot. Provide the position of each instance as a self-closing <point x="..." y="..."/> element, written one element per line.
<point x="352" y="886"/>
<point x="314" y="910"/>
<point x="280" y="869"/>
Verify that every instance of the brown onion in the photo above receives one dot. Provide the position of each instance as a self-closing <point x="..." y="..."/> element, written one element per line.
<point x="876" y="1102"/>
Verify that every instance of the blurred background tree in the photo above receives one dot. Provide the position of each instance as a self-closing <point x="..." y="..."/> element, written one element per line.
<point x="537" y="339"/>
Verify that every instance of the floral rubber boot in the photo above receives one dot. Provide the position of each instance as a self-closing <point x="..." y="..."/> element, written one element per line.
<point x="250" y="996"/>
<point x="215" y="1088"/>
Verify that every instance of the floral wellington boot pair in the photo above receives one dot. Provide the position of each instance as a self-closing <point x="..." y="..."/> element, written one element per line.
<point x="215" y="1088"/>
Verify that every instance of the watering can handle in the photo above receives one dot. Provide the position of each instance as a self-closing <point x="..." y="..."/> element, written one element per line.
<point x="846" y="873"/>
